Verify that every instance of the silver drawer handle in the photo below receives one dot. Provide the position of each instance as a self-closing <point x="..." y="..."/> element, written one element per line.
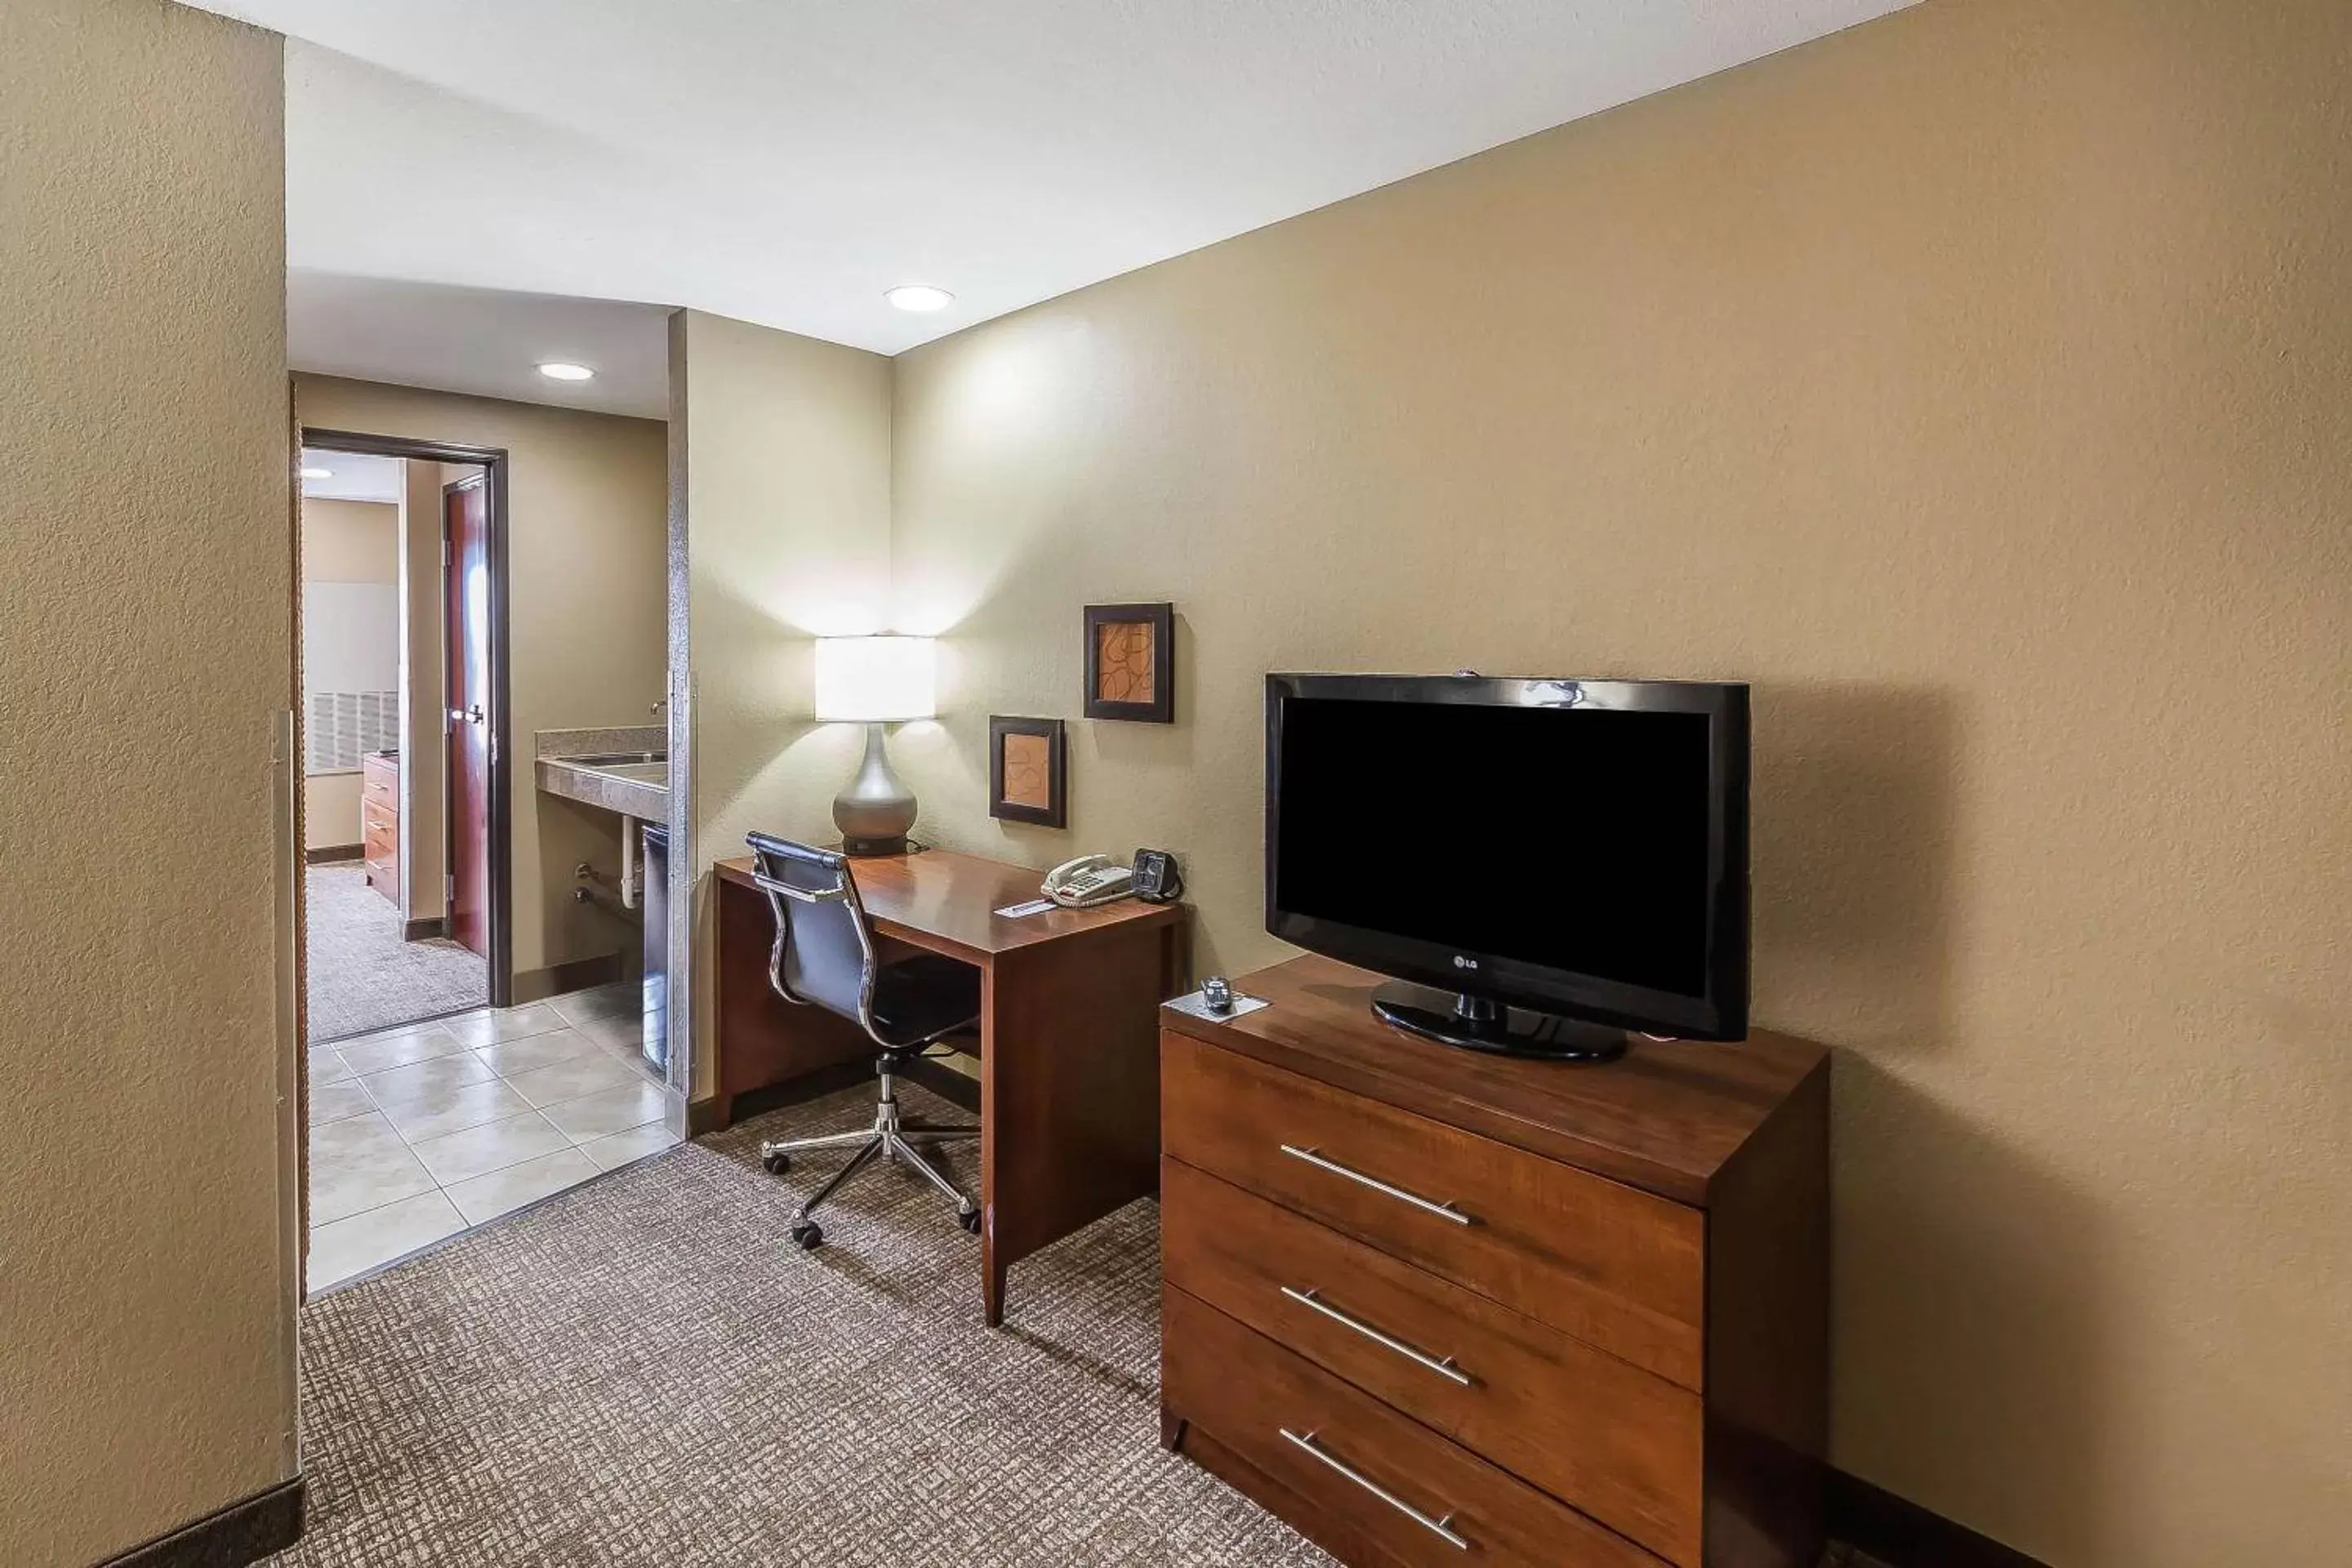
<point x="1442" y="1368"/>
<point x="1441" y="1528"/>
<point x="1443" y="1211"/>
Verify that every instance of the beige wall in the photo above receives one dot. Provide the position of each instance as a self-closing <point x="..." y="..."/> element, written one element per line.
<point x="343" y="541"/>
<point x="146" y="1277"/>
<point x="331" y="810"/>
<point x="1978" y="384"/>
<point x="787" y="496"/>
<point x="349" y="540"/>
<point x="588" y="494"/>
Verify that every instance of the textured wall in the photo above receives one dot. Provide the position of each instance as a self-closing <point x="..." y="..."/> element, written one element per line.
<point x="146" y="652"/>
<point x="1978" y="384"/>
<point x="585" y="613"/>
<point x="787" y="490"/>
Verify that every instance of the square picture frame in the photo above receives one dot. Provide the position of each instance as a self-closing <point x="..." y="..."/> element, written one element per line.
<point x="1130" y="663"/>
<point x="1028" y="771"/>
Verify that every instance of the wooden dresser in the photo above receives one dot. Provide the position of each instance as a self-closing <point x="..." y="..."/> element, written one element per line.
<point x="380" y="821"/>
<point x="1435" y="1306"/>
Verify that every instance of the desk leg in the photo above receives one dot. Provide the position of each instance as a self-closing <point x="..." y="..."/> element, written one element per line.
<point x="1069" y="1090"/>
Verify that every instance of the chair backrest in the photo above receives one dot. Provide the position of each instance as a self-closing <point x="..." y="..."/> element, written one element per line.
<point x="823" y="952"/>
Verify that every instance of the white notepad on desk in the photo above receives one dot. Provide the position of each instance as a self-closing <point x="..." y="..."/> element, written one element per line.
<point x="1022" y="911"/>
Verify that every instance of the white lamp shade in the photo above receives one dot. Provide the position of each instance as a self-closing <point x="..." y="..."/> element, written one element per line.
<point x="877" y="679"/>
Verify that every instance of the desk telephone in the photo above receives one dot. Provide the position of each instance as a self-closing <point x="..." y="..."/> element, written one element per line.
<point x="1087" y="880"/>
<point x="1092" y="880"/>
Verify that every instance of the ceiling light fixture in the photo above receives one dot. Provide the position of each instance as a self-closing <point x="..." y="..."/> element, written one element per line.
<point x="318" y="473"/>
<point x="919" y="297"/>
<point x="559" y="370"/>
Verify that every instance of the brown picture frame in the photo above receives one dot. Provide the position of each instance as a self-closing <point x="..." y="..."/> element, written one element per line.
<point x="1150" y="631"/>
<point x="1023" y="807"/>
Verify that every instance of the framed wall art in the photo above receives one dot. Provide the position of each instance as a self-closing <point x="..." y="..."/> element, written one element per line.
<point x="1028" y="771"/>
<point x="1131" y="662"/>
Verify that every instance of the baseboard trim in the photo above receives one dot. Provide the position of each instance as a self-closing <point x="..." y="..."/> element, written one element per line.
<point x="1902" y="1534"/>
<point x="795" y="1090"/>
<point x="264" y="1524"/>
<point x="704" y="1116"/>
<point x="563" y="979"/>
<point x="711" y="1115"/>
<point x="420" y="930"/>
<point x="326" y="853"/>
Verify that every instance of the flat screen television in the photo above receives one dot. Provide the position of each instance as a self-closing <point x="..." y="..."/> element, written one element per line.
<point x="1541" y="865"/>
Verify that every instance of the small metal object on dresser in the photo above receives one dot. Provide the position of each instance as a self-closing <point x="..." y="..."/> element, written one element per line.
<point x="1217" y="1001"/>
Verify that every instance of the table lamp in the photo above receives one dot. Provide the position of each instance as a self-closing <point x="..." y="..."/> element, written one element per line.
<point x="874" y="681"/>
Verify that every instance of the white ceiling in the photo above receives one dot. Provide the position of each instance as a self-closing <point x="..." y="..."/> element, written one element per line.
<point x="479" y="341"/>
<point x="786" y="161"/>
<point x="351" y="475"/>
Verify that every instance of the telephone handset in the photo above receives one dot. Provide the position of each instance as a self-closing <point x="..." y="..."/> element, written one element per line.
<point x="1088" y="880"/>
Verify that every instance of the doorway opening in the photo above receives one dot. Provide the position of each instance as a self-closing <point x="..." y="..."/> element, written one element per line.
<point x="402" y="657"/>
<point x="435" y="1103"/>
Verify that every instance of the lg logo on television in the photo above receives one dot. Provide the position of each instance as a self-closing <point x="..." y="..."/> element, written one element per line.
<point x="1460" y="962"/>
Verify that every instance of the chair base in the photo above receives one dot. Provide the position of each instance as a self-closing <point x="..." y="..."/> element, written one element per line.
<point x="898" y="1141"/>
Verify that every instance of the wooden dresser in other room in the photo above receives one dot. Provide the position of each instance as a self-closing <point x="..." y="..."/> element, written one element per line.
<point x="1433" y="1306"/>
<point x="380" y="821"/>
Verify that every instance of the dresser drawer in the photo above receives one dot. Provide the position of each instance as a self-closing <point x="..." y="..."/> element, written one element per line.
<point x="380" y="781"/>
<point x="1623" y="1445"/>
<point x="1619" y="1268"/>
<point x="379" y="833"/>
<point x="1420" y="1499"/>
<point x="379" y="795"/>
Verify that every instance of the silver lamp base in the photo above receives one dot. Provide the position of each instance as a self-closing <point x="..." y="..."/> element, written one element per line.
<point x="875" y="811"/>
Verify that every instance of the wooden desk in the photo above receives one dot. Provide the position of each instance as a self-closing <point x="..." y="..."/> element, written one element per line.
<point x="1069" y="1057"/>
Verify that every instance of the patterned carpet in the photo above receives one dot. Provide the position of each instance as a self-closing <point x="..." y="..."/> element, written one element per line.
<point x="362" y="976"/>
<point x="644" y="1370"/>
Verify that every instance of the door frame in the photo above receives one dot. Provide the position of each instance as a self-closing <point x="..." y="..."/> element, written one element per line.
<point x="493" y="460"/>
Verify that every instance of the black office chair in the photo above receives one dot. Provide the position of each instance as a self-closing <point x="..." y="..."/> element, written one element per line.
<point x="823" y="956"/>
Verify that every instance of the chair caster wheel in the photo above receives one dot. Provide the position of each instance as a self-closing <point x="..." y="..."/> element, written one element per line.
<point x="970" y="1220"/>
<point x="777" y="1163"/>
<point x="807" y="1234"/>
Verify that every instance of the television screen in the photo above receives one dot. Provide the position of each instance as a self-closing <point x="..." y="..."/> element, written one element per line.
<point x="1597" y="857"/>
<point x="1572" y="846"/>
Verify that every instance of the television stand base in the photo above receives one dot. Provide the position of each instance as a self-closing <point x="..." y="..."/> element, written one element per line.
<point x="1477" y="1025"/>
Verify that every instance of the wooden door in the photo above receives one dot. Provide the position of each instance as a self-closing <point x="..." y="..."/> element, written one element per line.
<point x="465" y="587"/>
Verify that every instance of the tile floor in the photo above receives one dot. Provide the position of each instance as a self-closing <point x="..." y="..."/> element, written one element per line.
<point x="420" y="1131"/>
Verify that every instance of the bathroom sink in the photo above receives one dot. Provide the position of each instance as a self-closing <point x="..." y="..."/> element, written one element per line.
<point x="635" y="783"/>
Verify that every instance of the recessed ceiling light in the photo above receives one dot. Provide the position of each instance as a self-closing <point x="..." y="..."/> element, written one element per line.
<point x="318" y="473"/>
<point x="557" y="370"/>
<point x="919" y="297"/>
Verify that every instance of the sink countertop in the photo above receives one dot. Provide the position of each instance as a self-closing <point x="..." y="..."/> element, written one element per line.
<point x="569" y="764"/>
